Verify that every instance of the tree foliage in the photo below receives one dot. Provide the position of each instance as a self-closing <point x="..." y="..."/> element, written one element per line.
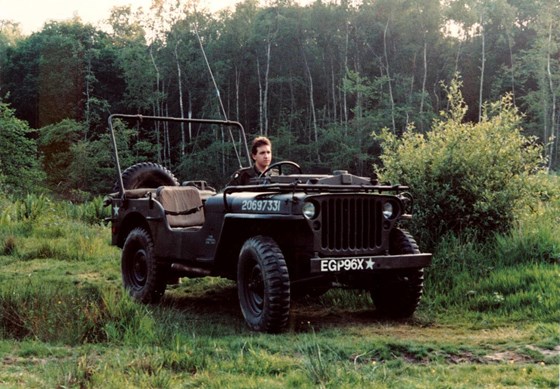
<point x="56" y="143"/>
<point x="311" y="77"/>
<point x="19" y="168"/>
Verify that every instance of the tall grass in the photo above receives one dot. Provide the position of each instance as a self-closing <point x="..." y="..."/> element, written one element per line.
<point x="512" y="274"/>
<point x="33" y="207"/>
<point x="535" y="239"/>
<point x="63" y="313"/>
<point x="50" y="312"/>
<point x="60" y="287"/>
<point x="38" y="227"/>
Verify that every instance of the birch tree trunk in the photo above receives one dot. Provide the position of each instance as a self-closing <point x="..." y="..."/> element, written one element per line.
<point x="156" y="107"/>
<point x="553" y="138"/>
<point x="512" y="68"/>
<point x="311" y="101"/>
<point x="344" y="115"/>
<point x="389" y="77"/>
<point x="424" y="78"/>
<point x="482" y="65"/>
<point x="237" y="82"/>
<point x="261" y="120"/>
<point x="180" y="89"/>
<point x="333" y="91"/>
<point x="265" y="97"/>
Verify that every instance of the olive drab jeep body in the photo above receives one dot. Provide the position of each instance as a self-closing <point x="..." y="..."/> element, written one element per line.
<point x="283" y="236"/>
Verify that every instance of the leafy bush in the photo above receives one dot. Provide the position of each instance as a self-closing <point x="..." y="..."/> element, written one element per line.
<point x="19" y="167"/>
<point x="465" y="177"/>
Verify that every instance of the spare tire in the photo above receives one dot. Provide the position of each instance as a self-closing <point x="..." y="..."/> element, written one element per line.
<point x="147" y="175"/>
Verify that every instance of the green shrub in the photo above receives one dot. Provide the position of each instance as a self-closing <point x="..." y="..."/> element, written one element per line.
<point x="464" y="176"/>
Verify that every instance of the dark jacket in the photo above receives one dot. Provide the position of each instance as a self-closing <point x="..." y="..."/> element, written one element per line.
<point x="243" y="176"/>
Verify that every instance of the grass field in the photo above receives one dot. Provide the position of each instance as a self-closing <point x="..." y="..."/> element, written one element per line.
<point x="489" y="319"/>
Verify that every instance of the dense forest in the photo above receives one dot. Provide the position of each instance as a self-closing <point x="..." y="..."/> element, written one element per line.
<point x="318" y="79"/>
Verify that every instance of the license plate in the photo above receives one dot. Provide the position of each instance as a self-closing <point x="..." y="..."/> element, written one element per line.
<point x="377" y="262"/>
<point x="343" y="264"/>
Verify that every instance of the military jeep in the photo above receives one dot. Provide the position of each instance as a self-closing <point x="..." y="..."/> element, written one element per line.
<point x="286" y="235"/>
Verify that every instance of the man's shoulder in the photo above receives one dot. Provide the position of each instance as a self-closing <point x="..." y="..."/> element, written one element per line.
<point x="243" y="176"/>
<point x="246" y="171"/>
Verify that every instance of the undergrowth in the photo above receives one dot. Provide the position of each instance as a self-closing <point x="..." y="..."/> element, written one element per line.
<point x="60" y="287"/>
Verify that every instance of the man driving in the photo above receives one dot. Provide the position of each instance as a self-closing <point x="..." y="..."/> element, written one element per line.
<point x="261" y="153"/>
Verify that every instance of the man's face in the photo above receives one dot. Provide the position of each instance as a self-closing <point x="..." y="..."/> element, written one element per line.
<point x="263" y="157"/>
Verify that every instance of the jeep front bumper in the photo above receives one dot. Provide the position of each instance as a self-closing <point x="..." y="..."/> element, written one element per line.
<point x="376" y="262"/>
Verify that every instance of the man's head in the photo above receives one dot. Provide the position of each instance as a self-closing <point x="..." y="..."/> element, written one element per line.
<point x="261" y="152"/>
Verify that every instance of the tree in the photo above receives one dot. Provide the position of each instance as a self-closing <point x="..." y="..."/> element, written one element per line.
<point x="133" y="59"/>
<point x="52" y="75"/>
<point x="55" y="144"/>
<point x="540" y="79"/>
<point x="19" y="166"/>
<point x="10" y="34"/>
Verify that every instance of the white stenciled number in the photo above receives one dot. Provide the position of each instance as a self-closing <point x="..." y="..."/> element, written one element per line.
<point x="260" y="205"/>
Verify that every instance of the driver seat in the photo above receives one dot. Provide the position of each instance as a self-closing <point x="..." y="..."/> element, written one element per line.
<point x="182" y="204"/>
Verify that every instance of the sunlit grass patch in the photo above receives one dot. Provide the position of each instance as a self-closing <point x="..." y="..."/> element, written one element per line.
<point x="535" y="239"/>
<point x="73" y="243"/>
<point x="519" y="293"/>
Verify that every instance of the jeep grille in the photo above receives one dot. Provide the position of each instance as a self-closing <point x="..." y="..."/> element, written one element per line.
<point x="351" y="224"/>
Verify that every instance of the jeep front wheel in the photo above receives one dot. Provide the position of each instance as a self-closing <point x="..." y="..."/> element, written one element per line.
<point x="263" y="285"/>
<point x="397" y="293"/>
<point x="143" y="276"/>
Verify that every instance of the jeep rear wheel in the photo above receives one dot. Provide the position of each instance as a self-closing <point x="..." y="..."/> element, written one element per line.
<point x="147" y="175"/>
<point x="397" y="293"/>
<point x="143" y="276"/>
<point x="263" y="285"/>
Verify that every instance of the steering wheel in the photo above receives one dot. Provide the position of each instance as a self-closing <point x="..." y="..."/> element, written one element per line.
<point x="279" y="166"/>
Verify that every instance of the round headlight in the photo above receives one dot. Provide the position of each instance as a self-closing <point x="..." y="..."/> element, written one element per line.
<point x="388" y="210"/>
<point x="309" y="210"/>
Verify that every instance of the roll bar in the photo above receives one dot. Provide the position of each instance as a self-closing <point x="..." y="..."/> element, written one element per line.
<point x="141" y="118"/>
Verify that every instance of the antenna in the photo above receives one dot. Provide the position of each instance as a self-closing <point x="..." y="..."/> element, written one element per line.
<point x="210" y="71"/>
<point x="217" y="89"/>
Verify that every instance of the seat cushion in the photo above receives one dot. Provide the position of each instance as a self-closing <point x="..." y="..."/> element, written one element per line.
<point x="181" y="199"/>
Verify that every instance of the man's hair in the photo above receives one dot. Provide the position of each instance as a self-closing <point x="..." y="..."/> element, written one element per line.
<point x="258" y="142"/>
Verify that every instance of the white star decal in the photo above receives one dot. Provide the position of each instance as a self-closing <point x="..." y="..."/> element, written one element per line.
<point x="369" y="264"/>
<point x="116" y="210"/>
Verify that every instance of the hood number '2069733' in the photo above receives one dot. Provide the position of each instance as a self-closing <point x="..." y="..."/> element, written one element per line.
<point x="261" y="205"/>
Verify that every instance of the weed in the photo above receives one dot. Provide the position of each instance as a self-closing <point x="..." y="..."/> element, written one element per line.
<point x="10" y="245"/>
<point x="314" y="362"/>
<point x="31" y="207"/>
<point x="77" y="374"/>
